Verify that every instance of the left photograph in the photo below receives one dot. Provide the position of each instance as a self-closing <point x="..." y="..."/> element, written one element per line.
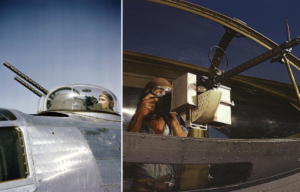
<point x="60" y="115"/>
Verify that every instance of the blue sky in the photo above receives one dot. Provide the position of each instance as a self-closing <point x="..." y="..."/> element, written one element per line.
<point x="177" y="35"/>
<point x="268" y="17"/>
<point x="75" y="41"/>
<point x="57" y="43"/>
<point x="265" y="16"/>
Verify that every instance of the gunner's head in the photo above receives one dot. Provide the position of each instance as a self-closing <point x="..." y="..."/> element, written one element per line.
<point x="106" y="100"/>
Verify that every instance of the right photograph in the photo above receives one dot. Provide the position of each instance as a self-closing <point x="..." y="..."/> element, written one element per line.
<point x="209" y="103"/>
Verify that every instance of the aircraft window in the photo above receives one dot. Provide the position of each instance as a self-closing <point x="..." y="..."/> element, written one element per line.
<point x="80" y="98"/>
<point x="12" y="160"/>
<point x="6" y="115"/>
<point x="191" y="38"/>
<point x="183" y="177"/>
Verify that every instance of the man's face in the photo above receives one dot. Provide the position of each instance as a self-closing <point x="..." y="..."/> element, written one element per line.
<point x="163" y="102"/>
<point x="160" y="91"/>
<point x="104" y="102"/>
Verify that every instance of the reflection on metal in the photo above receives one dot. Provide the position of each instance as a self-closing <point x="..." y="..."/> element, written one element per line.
<point x="197" y="133"/>
<point x="73" y="97"/>
<point x="69" y="154"/>
<point x="288" y="31"/>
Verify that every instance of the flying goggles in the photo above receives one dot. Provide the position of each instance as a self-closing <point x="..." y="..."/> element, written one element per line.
<point x="160" y="91"/>
<point x="163" y="105"/>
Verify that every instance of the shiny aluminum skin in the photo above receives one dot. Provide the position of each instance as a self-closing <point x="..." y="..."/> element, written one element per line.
<point x="81" y="152"/>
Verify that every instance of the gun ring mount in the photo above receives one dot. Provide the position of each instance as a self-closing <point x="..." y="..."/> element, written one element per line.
<point x="216" y="58"/>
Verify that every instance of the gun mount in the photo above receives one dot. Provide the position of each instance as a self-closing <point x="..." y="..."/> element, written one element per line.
<point x="202" y="101"/>
<point x="283" y="48"/>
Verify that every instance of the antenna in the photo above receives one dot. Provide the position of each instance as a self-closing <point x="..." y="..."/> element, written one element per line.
<point x="42" y="89"/>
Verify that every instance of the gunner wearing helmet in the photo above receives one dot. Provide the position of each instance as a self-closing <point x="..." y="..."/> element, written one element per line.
<point x="153" y="116"/>
<point x="149" y="117"/>
<point x="106" y="100"/>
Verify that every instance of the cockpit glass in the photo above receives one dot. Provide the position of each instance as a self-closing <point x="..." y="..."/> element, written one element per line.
<point x="81" y="98"/>
<point x="182" y="36"/>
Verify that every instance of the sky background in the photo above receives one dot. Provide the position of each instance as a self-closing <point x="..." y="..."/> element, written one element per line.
<point x="157" y="30"/>
<point x="267" y="17"/>
<point x="56" y="43"/>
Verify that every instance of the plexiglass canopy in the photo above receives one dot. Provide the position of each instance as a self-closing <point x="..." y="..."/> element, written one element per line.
<point x="79" y="97"/>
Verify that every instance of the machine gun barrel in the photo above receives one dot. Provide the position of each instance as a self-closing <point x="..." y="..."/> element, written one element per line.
<point x="42" y="89"/>
<point x="28" y="87"/>
<point x="255" y="61"/>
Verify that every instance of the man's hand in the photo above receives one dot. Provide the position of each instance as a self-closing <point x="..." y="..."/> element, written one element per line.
<point x="172" y="117"/>
<point x="175" y="125"/>
<point x="146" y="106"/>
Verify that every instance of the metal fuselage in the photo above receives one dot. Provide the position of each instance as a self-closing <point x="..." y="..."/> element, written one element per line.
<point x="71" y="151"/>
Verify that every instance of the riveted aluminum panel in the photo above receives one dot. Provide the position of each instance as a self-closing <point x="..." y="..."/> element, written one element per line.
<point x="63" y="160"/>
<point x="269" y="157"/>
<point x="60" y="158"/>
<point x="74" y="120"/>
<point x="105" y="144"/>
<point x="28" y="183"/>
